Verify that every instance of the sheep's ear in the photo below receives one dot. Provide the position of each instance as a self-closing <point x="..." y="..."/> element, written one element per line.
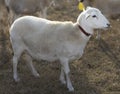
<point x="87" y="16"/>
<point x="88" y="8"/>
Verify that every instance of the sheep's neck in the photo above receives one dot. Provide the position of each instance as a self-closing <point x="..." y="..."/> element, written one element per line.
<point x="86" y="28"/>
<point x="87" y="34"/>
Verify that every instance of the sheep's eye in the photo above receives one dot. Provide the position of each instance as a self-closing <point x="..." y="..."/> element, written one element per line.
<point x="94" y="16"/>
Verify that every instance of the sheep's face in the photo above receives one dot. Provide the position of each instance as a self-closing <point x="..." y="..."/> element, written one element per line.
<point x="95" y="19"/>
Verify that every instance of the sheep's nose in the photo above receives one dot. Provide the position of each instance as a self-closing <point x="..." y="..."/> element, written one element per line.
<point x="108" y="24"/>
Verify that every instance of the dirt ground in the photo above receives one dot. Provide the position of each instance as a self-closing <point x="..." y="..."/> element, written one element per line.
<point x="97" y="72"/>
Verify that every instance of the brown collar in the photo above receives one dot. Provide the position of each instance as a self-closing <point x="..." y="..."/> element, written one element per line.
<point x="81" y="29"/>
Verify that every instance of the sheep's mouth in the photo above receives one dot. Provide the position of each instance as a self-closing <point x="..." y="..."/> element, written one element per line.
<point x="107" y="28"/>
<point x="103" y="29"/>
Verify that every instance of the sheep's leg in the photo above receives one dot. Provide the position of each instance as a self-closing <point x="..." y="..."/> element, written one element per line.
<point x="65" y="65"/>
<point x="15" y="73"/>
<point x="18" y="50"/>
<point x="16" y="57"/>
<point x="39" y="14"/>
<point x="44" y="15"/>
<point x="62" y="76"/>
<point x="11" y="17"/>
<point x="30" y="65"/>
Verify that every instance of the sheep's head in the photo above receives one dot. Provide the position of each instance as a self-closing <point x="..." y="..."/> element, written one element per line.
<point x="93" y="18"/>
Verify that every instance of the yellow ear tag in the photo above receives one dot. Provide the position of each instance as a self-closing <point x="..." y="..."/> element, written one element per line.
<point x="81" y="6"/>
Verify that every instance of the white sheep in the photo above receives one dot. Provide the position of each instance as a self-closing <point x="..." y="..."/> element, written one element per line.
<point x="53" y="40"/>
<point x="17" y="8"/>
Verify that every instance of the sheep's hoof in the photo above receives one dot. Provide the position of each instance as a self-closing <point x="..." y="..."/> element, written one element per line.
<point x="71" y="89"/>
<point x="36" y="75"/>
<point x="17" y="79"/>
